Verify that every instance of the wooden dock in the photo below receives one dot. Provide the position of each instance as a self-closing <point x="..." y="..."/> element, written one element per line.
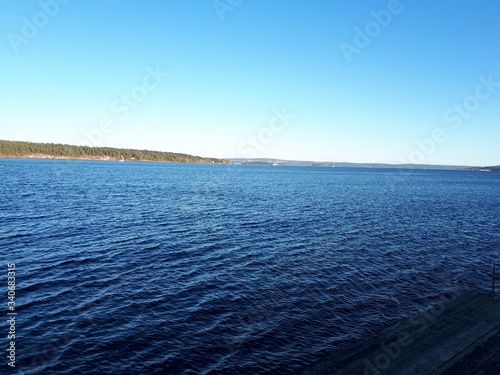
<point x="457" y="337"/>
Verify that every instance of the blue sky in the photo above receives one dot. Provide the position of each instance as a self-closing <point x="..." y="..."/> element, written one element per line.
<point x="379" y="81"/>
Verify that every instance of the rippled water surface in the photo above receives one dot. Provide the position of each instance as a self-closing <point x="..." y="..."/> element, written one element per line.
<point x="145" y="268"/>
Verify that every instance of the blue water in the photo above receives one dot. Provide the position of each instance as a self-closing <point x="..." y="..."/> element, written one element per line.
<point x="148" y="268"/>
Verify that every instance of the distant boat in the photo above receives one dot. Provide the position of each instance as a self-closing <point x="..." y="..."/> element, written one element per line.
<point x="123" y="159"/>
<point x="275" y="164"/>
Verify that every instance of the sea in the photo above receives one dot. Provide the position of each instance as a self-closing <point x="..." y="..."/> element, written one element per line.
<point x="164" y="268"/>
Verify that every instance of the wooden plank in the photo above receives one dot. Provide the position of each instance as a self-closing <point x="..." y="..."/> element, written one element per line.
<point x="393" y="349"/>
<point x="436" y="356"/>
<point x="392" y="358"/>
<point x="469" y="331"/>
<point x="481" y="359"/>
<point x="435" y="339"/>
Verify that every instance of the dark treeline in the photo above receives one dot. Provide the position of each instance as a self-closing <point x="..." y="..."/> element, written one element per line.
<point x="14" y="149"/>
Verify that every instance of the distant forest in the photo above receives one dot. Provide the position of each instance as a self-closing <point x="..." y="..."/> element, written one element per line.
<point x="14" y="149"/>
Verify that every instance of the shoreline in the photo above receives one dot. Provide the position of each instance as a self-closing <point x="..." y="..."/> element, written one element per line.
<point x="105" y="158"/>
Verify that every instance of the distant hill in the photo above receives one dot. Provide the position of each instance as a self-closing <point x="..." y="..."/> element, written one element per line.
<point x="279" y="162"/>
<point x="14" y="149"/>
<point x="495" y="168"/>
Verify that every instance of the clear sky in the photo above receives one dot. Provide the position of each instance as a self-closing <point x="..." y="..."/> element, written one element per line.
<point x="373" y="81"/>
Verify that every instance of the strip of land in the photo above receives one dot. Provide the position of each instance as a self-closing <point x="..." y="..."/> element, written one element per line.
<point x="31" y="150"/>
<point x="303" y="163"/>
